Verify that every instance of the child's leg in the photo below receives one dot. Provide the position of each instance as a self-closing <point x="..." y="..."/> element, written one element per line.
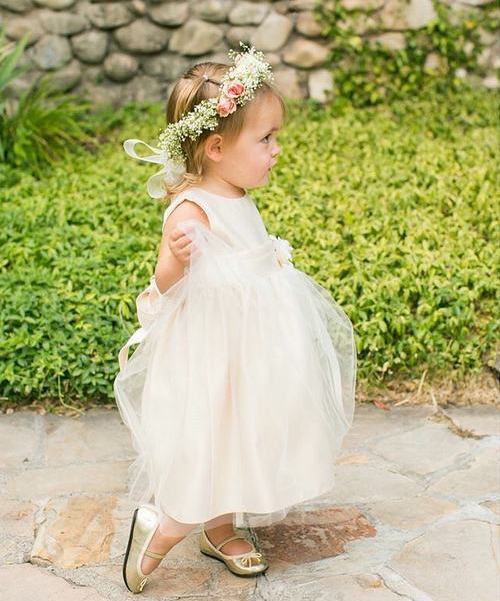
<point x="167" y="535"/>
<point x="220" y="528"/>
<point x="172" y="528"/>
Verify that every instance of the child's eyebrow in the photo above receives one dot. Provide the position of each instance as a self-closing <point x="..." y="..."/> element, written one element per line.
<point x="272" y="129"/>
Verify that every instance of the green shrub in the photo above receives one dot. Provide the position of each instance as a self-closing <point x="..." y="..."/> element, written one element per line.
<point x="44" y="125"/>
<point x="10" y="54"/>
<point x="391" y="208"/>
<point x="369" y="73"/>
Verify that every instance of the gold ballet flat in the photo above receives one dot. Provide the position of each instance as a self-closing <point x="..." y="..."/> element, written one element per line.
<point x="144" y="523"/>
<point x="244" y="564"/>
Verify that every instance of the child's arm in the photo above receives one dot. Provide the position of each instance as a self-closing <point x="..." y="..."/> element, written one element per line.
<point x="169" y="268"/>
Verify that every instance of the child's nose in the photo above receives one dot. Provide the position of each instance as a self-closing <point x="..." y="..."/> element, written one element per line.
<point x="276" y="150"/>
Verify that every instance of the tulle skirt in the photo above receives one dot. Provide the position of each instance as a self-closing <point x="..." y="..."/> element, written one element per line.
<point x="241" y="389"/>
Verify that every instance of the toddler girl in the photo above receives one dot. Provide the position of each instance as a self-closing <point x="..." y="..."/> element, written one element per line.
<point x="242" y="387"/>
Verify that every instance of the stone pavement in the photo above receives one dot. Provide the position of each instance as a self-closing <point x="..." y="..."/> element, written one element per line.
<point x="414" y="516"/>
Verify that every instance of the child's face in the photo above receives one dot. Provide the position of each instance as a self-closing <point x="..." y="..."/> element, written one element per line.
<point x="246" y="162"/>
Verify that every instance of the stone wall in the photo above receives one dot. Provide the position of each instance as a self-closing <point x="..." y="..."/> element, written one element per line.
<point x="115" y="51"/>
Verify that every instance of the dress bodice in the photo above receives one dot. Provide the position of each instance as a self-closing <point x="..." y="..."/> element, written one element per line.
<point x="235" y="220"/>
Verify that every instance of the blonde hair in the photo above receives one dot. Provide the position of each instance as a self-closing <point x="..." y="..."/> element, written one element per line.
<point x="198" y="83"/>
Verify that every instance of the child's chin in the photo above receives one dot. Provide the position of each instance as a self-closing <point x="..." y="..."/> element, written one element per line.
<point x="261" y="182"/>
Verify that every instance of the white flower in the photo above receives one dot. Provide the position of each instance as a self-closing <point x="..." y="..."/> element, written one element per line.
<point x="282" y="249"/>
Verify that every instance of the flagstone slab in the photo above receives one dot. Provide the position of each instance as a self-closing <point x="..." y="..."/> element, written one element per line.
<point x="17" y="518"/>
<point x="479" y="480"/>
<point x="481" y="419"/>
<point x="90" y="478"/>
<point x="26" y="582"/>
<point x="177" y="581"/>
<point x="412" y="513"/>
<point x="74" y="531"/>
<point x="373" y="423"/>
<point x="98" y="435"/>
<point x="165" y="582"/>
<point x="18" y="434"/>
<point x="359" y="587"/>
<point x="225" y="585"/>
<point x="309" y="536"/>
<point x="348" y="458"/>
<point x="424" y="450"/>
<point x="492" y="506"/>
<point x="366" y="483"/>
<point x="456" y="560"/>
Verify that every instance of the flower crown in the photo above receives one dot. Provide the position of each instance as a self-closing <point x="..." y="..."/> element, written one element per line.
<point x="237" y="87"/>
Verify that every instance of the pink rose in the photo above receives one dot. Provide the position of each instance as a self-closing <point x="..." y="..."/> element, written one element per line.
<point x="235" y="89"/>
<point x="226" y="106"/>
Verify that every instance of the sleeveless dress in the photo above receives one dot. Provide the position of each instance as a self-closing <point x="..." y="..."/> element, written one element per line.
<point x="242" y="385"/>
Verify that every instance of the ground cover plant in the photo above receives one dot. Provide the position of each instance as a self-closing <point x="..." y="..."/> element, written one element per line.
<point x="391" y="208"/>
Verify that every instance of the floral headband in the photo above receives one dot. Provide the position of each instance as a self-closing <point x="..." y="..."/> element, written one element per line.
<point x="237" y="87"/>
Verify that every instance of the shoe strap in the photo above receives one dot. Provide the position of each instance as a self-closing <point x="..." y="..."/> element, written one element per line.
<point x="229" y="539"/>
<point x="154" y="555"/>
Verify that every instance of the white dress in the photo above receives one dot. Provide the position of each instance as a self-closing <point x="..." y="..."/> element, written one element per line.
<point x="242" y="387"/>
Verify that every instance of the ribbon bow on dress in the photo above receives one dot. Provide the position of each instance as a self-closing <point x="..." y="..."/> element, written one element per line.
<point x="170" y="174"/>
<point x="148" y="304"/>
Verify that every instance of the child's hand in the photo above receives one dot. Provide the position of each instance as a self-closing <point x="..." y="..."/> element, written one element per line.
<point x="181" y="245"/>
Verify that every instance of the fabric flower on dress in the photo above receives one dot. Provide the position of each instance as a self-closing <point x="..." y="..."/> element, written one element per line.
<point x="283" y="250"/>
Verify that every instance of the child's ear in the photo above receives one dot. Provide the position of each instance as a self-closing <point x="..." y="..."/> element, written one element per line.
<point x="213" y="147"/>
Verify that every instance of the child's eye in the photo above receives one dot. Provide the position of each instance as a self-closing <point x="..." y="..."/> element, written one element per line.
<point x="266" y="139"/>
